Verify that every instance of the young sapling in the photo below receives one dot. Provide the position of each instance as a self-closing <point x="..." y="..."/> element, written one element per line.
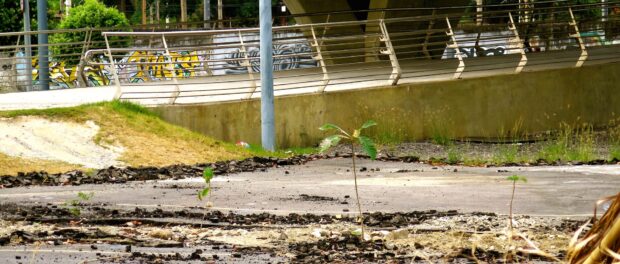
<point x="353" y="138"/>
<point x="207" y="175"/>
<point x="514" y="179"/>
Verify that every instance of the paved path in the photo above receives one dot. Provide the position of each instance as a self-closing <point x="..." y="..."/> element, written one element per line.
<point x="564" y="191"/>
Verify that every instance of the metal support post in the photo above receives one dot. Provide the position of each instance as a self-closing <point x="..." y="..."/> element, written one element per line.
<point x="389" y="50"/>
<point x="248" y="65"/>
<point x="319" y="57"/>
<point x="455" y="46"/>
<point x="584" y="53"/>
<point x="118" y="93"/>
<point x="28" y="44"/>
<point x="168" y="57"/>
<point x="44" y="70"/>
<point x="268" y="135"/>
<point x="206" y="11"/>
<point x="523" y="60"/>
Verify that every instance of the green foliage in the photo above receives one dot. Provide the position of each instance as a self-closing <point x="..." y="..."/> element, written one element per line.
<point x="91" y="14"/>
<point x="367" y="144"/>
<point x="74" y="205"/>
<point x="207" y="175"/>
<point x="517" y="178"/>
<point x="328" y="142"/>
<point x="85" y="196"/>
<point x="11" y="19"/>
<point x="506" y="154"/>
<point x="454" y="156"/>
<point x="570" y="144"/>
<point x="439" y="136"/>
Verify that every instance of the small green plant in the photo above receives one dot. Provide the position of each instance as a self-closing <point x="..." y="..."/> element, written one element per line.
<point x="571" y="144"/>
<point x="506" y="153"/>
<point x="207" y="175"/>
<point x="514" y="179"/>
<point x="74" y="205"/>
<point x="454" y="156"/>
<point x="614" y="153"/>
<point x="440" y="138"/>
<point x="355" y="137"/>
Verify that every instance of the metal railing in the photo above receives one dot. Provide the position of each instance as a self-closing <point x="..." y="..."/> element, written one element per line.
<point x="217" y="65"/>
<point x="67" y="50"/>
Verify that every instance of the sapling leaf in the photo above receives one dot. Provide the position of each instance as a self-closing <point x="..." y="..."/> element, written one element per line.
<point x="516" y="178"/>
<point x="368" y="124"/>
<point x="329" y="142"/>
<point x="356" y="133"/>
<point x="328" y="127"/>
<point x="368" y="146"/>
<point x="207" y="174"/>
<point x="203" y="193"/>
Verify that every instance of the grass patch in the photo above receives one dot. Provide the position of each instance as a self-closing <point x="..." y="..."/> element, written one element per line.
<point x="147" y="139"/>
<point x="454" y="155"/>
<point x="570" y="144"/>
<point x="614" y="153"/>
<point x="506" y="153"/>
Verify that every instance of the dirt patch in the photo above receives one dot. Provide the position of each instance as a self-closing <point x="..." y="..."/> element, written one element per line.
<point x="414" y="236"/>
<point x="68" y="142"/>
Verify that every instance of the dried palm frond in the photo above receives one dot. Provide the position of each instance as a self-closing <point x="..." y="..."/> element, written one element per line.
<point x="601" y="244"/>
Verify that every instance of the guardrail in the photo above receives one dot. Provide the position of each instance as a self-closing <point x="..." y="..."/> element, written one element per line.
<point x="216" y="65"/>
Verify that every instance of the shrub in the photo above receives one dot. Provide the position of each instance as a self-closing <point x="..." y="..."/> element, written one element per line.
<point x="91" y="14"/>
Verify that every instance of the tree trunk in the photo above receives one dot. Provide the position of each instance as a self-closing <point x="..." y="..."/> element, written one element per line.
<point x="184" y="12"/>
<point x="220" y="13"/>
<point x="143" y="12"/>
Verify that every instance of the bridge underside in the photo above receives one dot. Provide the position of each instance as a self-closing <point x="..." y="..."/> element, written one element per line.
<point x="310" y="11"/>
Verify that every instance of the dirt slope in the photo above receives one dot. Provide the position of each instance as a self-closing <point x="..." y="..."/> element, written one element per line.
<point x="137" y="137"/>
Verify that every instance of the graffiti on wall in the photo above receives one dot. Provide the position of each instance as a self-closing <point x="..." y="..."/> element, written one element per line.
<point x="142" y="66"/>
<point x="489" y="44"/>
<point x="145" y="66"/>
<point x="63" y="77"/>
<point x="286" y="57"/>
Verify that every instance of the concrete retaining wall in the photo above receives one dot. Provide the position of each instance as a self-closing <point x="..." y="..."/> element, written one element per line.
<point x="490" y="107"/>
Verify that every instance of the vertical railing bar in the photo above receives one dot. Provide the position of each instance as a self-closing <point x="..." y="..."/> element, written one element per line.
<point x="148" y="54"/>
<point x="15" y="79"/>
<point x="523" y="60"/>
<point x="455" y="46"/>
<point x="324" y="30"/>
<point x="248" y="65"/>
<point x="584" y="53"/>
<point x="207" y="54"/>
<point x="177" y="90"/>
<point x="396" y="70"/>
<point x="79" y="73"/>
<point x="118" y="93"/>
<point x="319" y="57"/>
<point x="427" y="38"/>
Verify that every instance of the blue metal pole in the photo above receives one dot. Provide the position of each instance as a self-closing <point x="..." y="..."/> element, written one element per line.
<point x="44" y="71"/>
<point x="27" y="43"/>
<point x="266" y="77"/>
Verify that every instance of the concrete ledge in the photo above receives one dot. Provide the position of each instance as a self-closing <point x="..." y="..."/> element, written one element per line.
<point x="488" y="107"/>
